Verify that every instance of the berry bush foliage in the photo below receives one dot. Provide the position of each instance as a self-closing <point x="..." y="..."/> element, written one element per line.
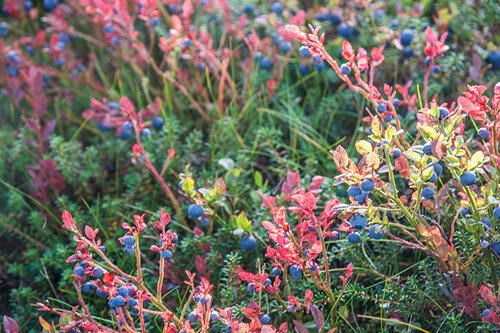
<point x="242" y="166"/>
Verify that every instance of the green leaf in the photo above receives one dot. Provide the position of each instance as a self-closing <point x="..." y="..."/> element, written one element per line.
<point x="257" y="176"/>
<point x="226" y="163"/>
<point x="241" y="221"/>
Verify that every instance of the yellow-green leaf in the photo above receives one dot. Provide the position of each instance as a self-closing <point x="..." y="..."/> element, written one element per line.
<point x="476" y="160"/>
<point x="376" y="127"/>
<point x="188" y="185"/>
<point x="363" y="147"/>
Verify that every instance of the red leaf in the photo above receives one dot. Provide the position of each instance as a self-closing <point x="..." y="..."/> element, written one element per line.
<point x="318" y="317"/>
<point x="89" y="232"/>
<point x="10" y="325"/>
<point x="488" y="296"/>
<point x="68" y="221"/>
<point x="299" y="327"/>
<point x="41" y="106"/>
<point x="48" y="129"/>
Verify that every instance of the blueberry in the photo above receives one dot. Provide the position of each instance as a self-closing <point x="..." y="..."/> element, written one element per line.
<point x="354" y="238"/>
<point x="494" y="59"/>
<point x="79" y="271"/>
<point x="268" y="282"/>
<point x="345" y="69"/>
<point x="277" y="8"/>
<point x="248" y="243"/>
<point x="154" y="22"/>
<point x="396" y="102"/>
<point x="367" y="185"/>
<point x="115" y="106"/>
<point x="28" y="5"/>
<point x="361" y="199"/>
<point x="486" y="222"/>
<point x="179" y="186"/>
<point x="108" y="28"/>
<point x="495" y="247"/>
<point x="129" y="249"/>
<point x="264" y="320"/>
<point x="321" y="16"/>
<point x="257" y="56"/>
<point x="116" y="302"/>
<point x="436" y="69"/>
<point x="87" y="287"/>
<point x="12" y="56"/>
<point x="132" y="302"/>
<point x="443" y="112"/>
<point x="115" y="41"/>
<point x="97" y="272"/>
<point x="126" y="134"/>
<point x="427" y="149"/>
<point x="304" y="52"/>
<point x="484" y="243"/>
<point x="122" y="291"/>
<point x="266" y="63"/>
<point x="12" y="71"/>
<point x="250" y="287"/>
<point x="381" y="107"/>
<point x="335" y="236"/>
<point x="317" y="59"/>
<point x="465" y="211"/>
<point x="428" y="192"/>
<point x="408" y="52"/>
<point x="388" y="119"/>
<point x="193" y="318"/>
<point x="354" y="191"/>
<point x="102" y="248"/>
<point x="496" y="212"/>
<point x="285" y="47"/>
<point x="433" y="178"/>
<point x="468" y="178"/>
<point x="203" y="299"/>
<point x="427" y="60"/>
<point x="394" y="23"/>
<point x="406" y="37"/>
<point x="195" y="211"/>
<point x="345" y="31"/>
<point x="187" y="42"/>
<point x="483" y="133"/>
<point x="396" y="153"/>
<point x="276" y="271"/>
<point x="358" y="222"/>
<point x="296" y="272"/>
<point x="438" y="169"/>
<point x="146" y="132"/>
<point x="175" y="239"/>
<point x="249" y="8"/>
<point x="129" y="240"/>
<point x="158" y="122"/>
<point x="59" y="62"/>
<point x="4" y="29"/>
<point x="214" y="315"/>
<point x="486" y="313"/>
<point x="303" y="70"/>
<point x="166" y="254"/>
<point x="376" y="232"/>
<point x="204" y="221"/>
<point x="50" y="4"/>
<point x="101" y="293"/>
